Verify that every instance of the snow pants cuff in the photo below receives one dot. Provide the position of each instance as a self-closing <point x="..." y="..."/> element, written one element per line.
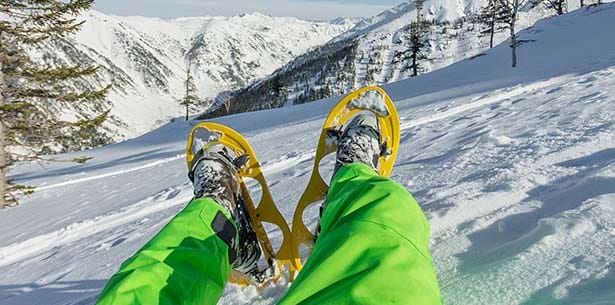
<point x="372" y="248"/>
<point x="187" y="262"/>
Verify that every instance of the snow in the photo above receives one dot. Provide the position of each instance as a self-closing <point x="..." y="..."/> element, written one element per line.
<point x="201" y="137"/>
<point x="372" y="100"/>
<point x="515" y="169"/>
<point x="146" y="59"/>
<point x="373" y="51"/>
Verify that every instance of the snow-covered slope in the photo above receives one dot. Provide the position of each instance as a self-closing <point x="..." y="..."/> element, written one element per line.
<point x="146" y="59"/>
<point x="397" y="17"/>
<point x="373" y="52"/>
<point x="515" y="170"/>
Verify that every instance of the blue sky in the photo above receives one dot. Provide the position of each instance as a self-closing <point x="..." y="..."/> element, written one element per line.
<point x="309" y="9"/>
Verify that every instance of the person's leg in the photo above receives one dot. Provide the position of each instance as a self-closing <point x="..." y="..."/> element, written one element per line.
<point x="372" y="247"/>
<point x="187" y="262"/>
<point x="373" y="241"/>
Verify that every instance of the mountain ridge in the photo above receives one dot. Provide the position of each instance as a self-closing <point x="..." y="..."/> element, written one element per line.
<point x="146" y="59"/>
<point x="372" y="53"/>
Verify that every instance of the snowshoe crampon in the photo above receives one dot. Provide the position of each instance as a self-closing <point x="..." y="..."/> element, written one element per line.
<point x="373" y="99"/>
<point x="204" y="134"/>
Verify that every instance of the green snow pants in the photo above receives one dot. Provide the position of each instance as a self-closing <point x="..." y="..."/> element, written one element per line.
<point x="372" y="249"/>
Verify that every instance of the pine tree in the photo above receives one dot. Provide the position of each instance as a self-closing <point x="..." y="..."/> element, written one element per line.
<point x="559" y="6"/>
<point x="29" y="93"/>
<point x="190" y="101"/>
<point x="417" y="54"/>
<point x="419" y="31"/>
<point x="277" y="88"/>
<point x="326" y="91"/>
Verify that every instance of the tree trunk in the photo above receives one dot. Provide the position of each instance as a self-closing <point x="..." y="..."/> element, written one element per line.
<point x="227" y="106"/>
<point x="415" y="71"/>
<point x="186" y="100"/>
<point x="513" y="46"/>
<point x="492" y="30"/>
<point x="513" y="35"/>
<point x="3" y="155"/>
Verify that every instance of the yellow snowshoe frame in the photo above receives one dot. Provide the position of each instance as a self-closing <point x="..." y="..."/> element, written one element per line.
<point x="266" y="211"/>
<point x="289" y="254"/>
<point x="317" y="188"/>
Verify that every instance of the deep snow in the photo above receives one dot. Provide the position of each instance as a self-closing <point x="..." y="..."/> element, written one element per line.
<point x="515" y="170"/>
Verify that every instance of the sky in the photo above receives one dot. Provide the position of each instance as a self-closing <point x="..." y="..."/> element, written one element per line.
<point x="306" y="9"/>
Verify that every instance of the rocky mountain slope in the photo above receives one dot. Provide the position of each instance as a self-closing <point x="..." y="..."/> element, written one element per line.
<point x="146" y="60"/>
<point x="370" y="53"/>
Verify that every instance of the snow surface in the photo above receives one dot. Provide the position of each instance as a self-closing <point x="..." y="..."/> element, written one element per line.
<point x="515" y="170"/>
<point x="372" y="100"/>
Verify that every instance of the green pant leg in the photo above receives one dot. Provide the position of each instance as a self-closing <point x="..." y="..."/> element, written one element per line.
<point x="372" y="249"/>
<point x="185" y="263"/>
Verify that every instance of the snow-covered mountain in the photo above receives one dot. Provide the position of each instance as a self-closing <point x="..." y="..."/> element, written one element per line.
<point x="146" y="59"/>
<point x="370" y="53"/>
<point x="515" y="169"/>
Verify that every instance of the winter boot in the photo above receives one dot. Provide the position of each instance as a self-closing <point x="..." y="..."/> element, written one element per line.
<point x="214" y="174"/>
<point x="359" y="142"/>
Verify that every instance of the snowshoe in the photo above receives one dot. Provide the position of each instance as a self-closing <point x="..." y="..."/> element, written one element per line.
<point x="373" y="100"/>
<point x="259" y="264"/>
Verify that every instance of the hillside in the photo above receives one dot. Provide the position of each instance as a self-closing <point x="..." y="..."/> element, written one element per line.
<point x="514" y="168"/>
<point x="372" y="53"/>
<point x="146" y="60"/>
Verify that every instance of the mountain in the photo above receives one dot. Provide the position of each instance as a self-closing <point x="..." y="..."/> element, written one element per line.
<point x="514" y="168"/>
<point x="373" y="53"/>
<point x="146" y="60"/>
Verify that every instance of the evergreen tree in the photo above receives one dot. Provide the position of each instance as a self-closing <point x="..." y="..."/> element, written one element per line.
<point x="326" y="91"/>
<point x="29" y="93"/>
<point x="190" y="101"/>
<point x="416" y="43"/>
<point x="278" y="88"/>
<point x="312" y="94"/>
<point x="559" y="6"/>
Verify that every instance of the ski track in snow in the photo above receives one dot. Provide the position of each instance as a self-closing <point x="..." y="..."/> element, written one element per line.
<point x="36" y="245"/>
<point x="518" y="183"/>
<point x="111" y="174"/>
<point x="491" y="98"/>
<point x="76" y="231"/>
